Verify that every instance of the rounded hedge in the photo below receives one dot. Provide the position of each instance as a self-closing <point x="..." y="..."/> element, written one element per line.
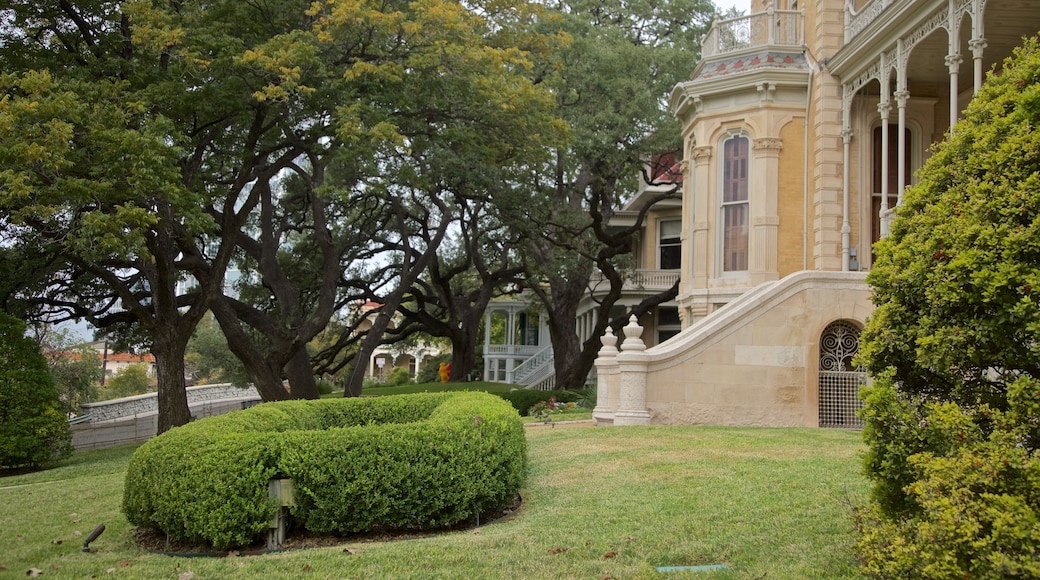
<point x="419" y="461"/>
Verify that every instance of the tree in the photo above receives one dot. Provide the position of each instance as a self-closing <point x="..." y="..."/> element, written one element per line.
<point x="33" y="429"/>
<point x="609" y="85"/>
<point x="479" y="264"/>
<point x="954" y="347"/>
<point x="126" y="382"/>
<point x="208" y="358"/>
<point x="464" y="116"/>
<point x="127" y="144"/>
<point x="75" y="369"/>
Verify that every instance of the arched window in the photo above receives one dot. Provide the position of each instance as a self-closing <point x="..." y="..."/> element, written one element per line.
<point x="735" y="211"/>
<point x="840" y="380"/>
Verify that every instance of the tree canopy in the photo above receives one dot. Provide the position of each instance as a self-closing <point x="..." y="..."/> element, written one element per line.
<point x="143" y="144"/>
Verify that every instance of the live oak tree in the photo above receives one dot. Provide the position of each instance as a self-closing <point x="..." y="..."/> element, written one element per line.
<point x="610" y="85"/>
<point x="142" y="142"/>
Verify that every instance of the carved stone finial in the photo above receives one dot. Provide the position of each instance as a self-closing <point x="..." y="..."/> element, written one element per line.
<point x="609" y="340"/>
<point x="633" y="332"/>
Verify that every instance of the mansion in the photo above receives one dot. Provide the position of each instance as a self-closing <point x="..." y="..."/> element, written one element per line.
<point x="802" y="126"/>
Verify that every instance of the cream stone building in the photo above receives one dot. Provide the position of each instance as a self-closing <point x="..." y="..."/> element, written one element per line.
<point x="802" y="125"/>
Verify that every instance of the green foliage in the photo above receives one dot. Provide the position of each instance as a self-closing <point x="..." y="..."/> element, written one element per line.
<point x="127" y="381"/>
<point x="33" y="429"/>
<point x="975" y="498"/>
<point x="954" y="345"/>
<point x="76" y="371"/>
<point x="401" y="462"/>
<point x="324" y="387"/>
<point x="429" y="370"/>
<point x="208" y="360"/>
<point x="398" y="376"/>
<point x="524" y="399"/>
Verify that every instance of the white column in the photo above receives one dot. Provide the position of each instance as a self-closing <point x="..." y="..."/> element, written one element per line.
<point x="632" y="364"/>
<point x="978" y="47"/>
<point x="846" y="229"/>
<point x="953" y="62"/>
<point x="883" y="108"/>
<point x="607" y="380"/>
<point x="901" y="98"/>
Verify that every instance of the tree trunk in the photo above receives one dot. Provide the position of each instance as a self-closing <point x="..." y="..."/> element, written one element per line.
<point x="169" y="374"/>
<point x="301" y="376"/>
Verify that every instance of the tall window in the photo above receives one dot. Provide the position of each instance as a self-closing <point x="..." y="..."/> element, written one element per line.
<point x="893" y="175"/>
<point x="669" y="244"/>
<point x="735" y="204"/>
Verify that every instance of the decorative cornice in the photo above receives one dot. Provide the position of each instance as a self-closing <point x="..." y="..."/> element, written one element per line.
<point x="768" y="144"/>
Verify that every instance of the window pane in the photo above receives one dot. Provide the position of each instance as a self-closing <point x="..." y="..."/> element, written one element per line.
<point x="671" y="257"/>
<point x="735" y="238"/>
<point x="670" y="245"/>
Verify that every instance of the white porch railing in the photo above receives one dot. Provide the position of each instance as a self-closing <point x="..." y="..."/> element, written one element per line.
<point x="512" y="349"/>
<point x="857" y="21"/>
<point x="527" y="369"/>
<point x="646" y="280"/>
<point x="769" y="28"/>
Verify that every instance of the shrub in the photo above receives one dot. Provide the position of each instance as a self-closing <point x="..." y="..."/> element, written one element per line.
<point x="524" y="399"/>
<point x="324" y="387"/>
<point x="952" y="418"/>
<point x="33" y="430"/>
<point x="399" y="462"/>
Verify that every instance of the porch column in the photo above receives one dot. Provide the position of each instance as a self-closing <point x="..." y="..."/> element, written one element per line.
<point x="901" y="97"/>
<point x="884" y="108"/>
<point x="953" y="62"/>
<point x="846" y="229"/>
<point x="978" y="47"/>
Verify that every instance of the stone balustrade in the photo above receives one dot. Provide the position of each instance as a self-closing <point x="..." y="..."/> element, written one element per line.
<point x="149" y="402"/>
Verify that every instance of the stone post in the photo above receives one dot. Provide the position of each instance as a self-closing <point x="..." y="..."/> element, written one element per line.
<point x="607" y="380"/>
<point x="632" y="364"/>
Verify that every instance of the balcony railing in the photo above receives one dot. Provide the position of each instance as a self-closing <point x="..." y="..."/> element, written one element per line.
<point x="770" y="28"/>
<point x="641" y="280"/>
<point x="856" y="21"/>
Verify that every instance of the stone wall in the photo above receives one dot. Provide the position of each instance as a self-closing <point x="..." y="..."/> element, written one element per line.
<point x="133" y="419"/>
<point x="754" y="362"/>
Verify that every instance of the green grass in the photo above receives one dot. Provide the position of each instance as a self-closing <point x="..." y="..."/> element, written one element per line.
<point x="599" y="502"/>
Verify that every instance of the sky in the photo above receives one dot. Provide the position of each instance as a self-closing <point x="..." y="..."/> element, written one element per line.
<point x="724" y="5"/>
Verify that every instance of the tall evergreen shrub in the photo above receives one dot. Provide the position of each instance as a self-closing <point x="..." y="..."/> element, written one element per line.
<point x="953" y="418"/>
<point x="33" y="430"/>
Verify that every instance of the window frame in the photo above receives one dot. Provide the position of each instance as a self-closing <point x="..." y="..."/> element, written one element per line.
<point x="740" y="199"/>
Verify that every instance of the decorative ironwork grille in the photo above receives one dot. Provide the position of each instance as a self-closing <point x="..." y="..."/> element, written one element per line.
<point x="840" y="380"/>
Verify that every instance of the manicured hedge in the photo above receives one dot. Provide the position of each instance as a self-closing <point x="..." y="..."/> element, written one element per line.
<point x="417" y="461"/>
<point x="523" y="399"/>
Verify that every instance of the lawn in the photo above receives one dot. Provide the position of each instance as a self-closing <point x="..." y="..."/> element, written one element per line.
<point x="599" y="503"/>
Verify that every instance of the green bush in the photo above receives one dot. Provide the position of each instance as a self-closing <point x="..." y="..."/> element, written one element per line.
<point x="33" y="430"/>
<point x="974" y="498"/>
<point x="399" y="462"/>
<point x="429" y="371"/>
<point x="523" y="399"/>
<point x="952" y="422"/>
<point x="324" y="387"/>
